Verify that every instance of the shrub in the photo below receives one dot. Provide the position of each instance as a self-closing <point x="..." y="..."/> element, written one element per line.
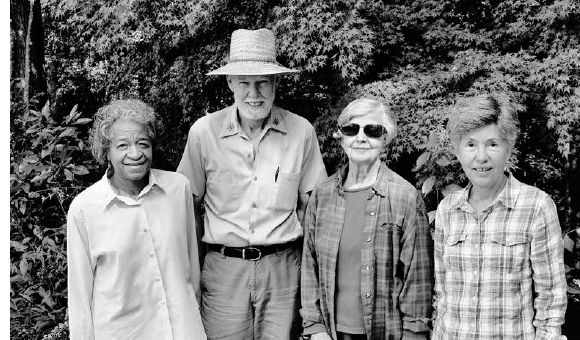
<point x="49" y="165"/>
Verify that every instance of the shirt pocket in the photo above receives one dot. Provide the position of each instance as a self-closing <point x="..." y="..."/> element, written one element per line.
<point x="285" y="191"/>
<point x="387" y="237"/>
<point x="506" y="251"/>
<point x="456" y="255"/>
<point x="223" y="190"/>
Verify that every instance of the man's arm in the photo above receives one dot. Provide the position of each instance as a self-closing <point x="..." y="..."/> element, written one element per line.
<point x="301" y="206"/>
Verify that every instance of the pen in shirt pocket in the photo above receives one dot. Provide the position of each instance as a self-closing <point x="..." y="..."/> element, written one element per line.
<point x="276" y="175"/>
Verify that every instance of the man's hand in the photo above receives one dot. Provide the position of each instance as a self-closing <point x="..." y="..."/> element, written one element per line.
<point x="408" y="335"/>
<point x="320" y="336"/>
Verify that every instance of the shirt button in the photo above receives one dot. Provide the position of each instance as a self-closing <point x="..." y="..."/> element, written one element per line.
<point x="368" y="295"/>
<point x="145" y="230"/>
<point x="368" y="239"/>
<point x="475" y="273"/>
<point x="255" y="178"/>
<point x="367" y="268"/>
<point x="157" y="279"/>
<point x="369" y="321"/>
<point x="372" y="213"/>
<point x="151" y="255"/>
<point x="253" y="205"/>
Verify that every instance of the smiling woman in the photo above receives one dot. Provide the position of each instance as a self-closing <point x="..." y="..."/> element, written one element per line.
<point x="499" y="271"/>
<point x="133" y="267"/>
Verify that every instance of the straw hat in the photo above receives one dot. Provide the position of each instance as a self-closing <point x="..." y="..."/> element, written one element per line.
<point x="252" y="53"/>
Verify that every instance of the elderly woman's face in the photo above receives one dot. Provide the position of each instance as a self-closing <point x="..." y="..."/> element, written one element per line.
<point x="131" y="151"/>
<point x="361" y="148"/>
<point x="483" y="154"/>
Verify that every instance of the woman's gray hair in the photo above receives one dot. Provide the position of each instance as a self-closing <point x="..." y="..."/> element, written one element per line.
<point x="366" y="106"/>
<point x="479" y="111"/>
<point x="106" y="116"/>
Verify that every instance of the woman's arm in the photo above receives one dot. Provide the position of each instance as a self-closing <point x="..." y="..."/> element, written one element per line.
<point x="548" y="272"/>
<point x="312" y="320"/>
<point x="80" y="278"/>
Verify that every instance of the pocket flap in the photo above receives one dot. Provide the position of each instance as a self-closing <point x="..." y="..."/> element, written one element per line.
<point x="455" y="238"/>
<point x="509" y="239"/>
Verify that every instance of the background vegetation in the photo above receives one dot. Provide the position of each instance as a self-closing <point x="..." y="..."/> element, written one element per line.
<point x="71" y="56"/>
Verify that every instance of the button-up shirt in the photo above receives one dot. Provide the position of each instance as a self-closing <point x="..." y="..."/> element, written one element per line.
<point x="396" y="268"/>
<point x="499" y="274"/>
<point x="133" y="267"/>
<point x="250" y="189"/>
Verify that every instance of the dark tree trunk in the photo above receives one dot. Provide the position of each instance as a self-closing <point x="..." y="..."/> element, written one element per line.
<point x="27" y="51"/>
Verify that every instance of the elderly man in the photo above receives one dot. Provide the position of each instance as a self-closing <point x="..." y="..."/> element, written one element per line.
<point x="253" y="165"/>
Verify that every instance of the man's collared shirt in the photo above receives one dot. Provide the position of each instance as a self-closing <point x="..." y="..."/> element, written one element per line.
<point x="396" y="270"/>
<point x="133" y="267"/>
<point x="499" y="274"/>
<point x="250" y="189"/>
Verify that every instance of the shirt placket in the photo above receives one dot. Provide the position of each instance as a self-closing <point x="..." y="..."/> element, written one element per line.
<point x="367" y="270"/>
<point x="154" y="264"/>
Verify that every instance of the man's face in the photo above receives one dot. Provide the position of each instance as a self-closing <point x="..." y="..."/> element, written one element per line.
<point x="254" y="95"/>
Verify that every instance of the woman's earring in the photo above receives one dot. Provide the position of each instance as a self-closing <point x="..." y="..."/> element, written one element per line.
<point x="110" y="169"/>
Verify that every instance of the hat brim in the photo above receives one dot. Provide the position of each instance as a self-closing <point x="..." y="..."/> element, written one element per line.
<point x="251" y="68"/>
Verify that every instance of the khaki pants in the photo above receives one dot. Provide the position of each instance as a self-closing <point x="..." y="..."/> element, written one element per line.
<point x="243" y="299"/>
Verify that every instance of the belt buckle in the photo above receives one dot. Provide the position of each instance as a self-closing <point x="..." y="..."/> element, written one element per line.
<point x="259" y="254"/>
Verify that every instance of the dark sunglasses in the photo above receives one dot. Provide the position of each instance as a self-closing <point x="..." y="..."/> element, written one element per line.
<point x="371" y="130"/>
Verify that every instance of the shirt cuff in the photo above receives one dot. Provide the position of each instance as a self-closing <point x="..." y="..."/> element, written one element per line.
<point x="314" y="328"/>
<point x="416" y="325"/>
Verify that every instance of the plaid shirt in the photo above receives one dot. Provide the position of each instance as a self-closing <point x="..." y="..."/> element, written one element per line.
<point x="396" y="274"/>
<point x="499" y="275"/>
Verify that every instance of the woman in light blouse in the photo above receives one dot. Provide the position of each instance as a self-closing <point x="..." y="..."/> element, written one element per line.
<point x="498" y="251"/>
<point x="133" y="268"/>
<point x="366" y="266"/>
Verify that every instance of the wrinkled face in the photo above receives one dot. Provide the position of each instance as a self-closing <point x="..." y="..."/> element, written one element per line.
<point x="483" y="154"/>
<point x="362" y="149"/>
<point x="254" y="95"/>
<point x="131" y="151"/>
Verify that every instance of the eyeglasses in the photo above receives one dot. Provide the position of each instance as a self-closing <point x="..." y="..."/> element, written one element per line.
<point x="371" y="130"/>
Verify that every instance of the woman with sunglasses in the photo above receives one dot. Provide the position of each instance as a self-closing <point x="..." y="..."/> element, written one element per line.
<point x="366" y="268"/>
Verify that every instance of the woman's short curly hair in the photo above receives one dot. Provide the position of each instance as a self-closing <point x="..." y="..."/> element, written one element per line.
<point x="475" y="112"/>
<point x="106" y="116"/>
<point x="366" y="106"/>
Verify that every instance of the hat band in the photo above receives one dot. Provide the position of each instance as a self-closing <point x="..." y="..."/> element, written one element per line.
<point x="254" y="60"/>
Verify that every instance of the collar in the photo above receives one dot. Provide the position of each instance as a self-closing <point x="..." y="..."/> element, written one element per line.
<point x="378" y="188"/>
<point x="110" y="195"/>
<point x="507" y="196"/>
<point x="276" y="121"/>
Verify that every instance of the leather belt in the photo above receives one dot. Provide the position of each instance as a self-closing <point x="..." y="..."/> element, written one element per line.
<point x="251" y="253"/>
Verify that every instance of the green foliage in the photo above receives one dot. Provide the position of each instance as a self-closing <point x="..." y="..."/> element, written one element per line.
<point x="48" y="159"/>
<point x="419" y="57"/>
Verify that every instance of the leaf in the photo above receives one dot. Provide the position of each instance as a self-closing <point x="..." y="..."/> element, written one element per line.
<point x="443" y="161"/>
<point x="46" y="110"/>
<point x="80" y="170"/>
<point x="68" y="174"/>
<point x="422" y="160"/>
<point x="47" y="151"/>
<point x="82" y="121"/>
<point x="431" y="216"/>
<point x="68" y="132"/>
<point x="428" y="185"/>
<point x="23" y="267"/>
<point x="568" y="243"/>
